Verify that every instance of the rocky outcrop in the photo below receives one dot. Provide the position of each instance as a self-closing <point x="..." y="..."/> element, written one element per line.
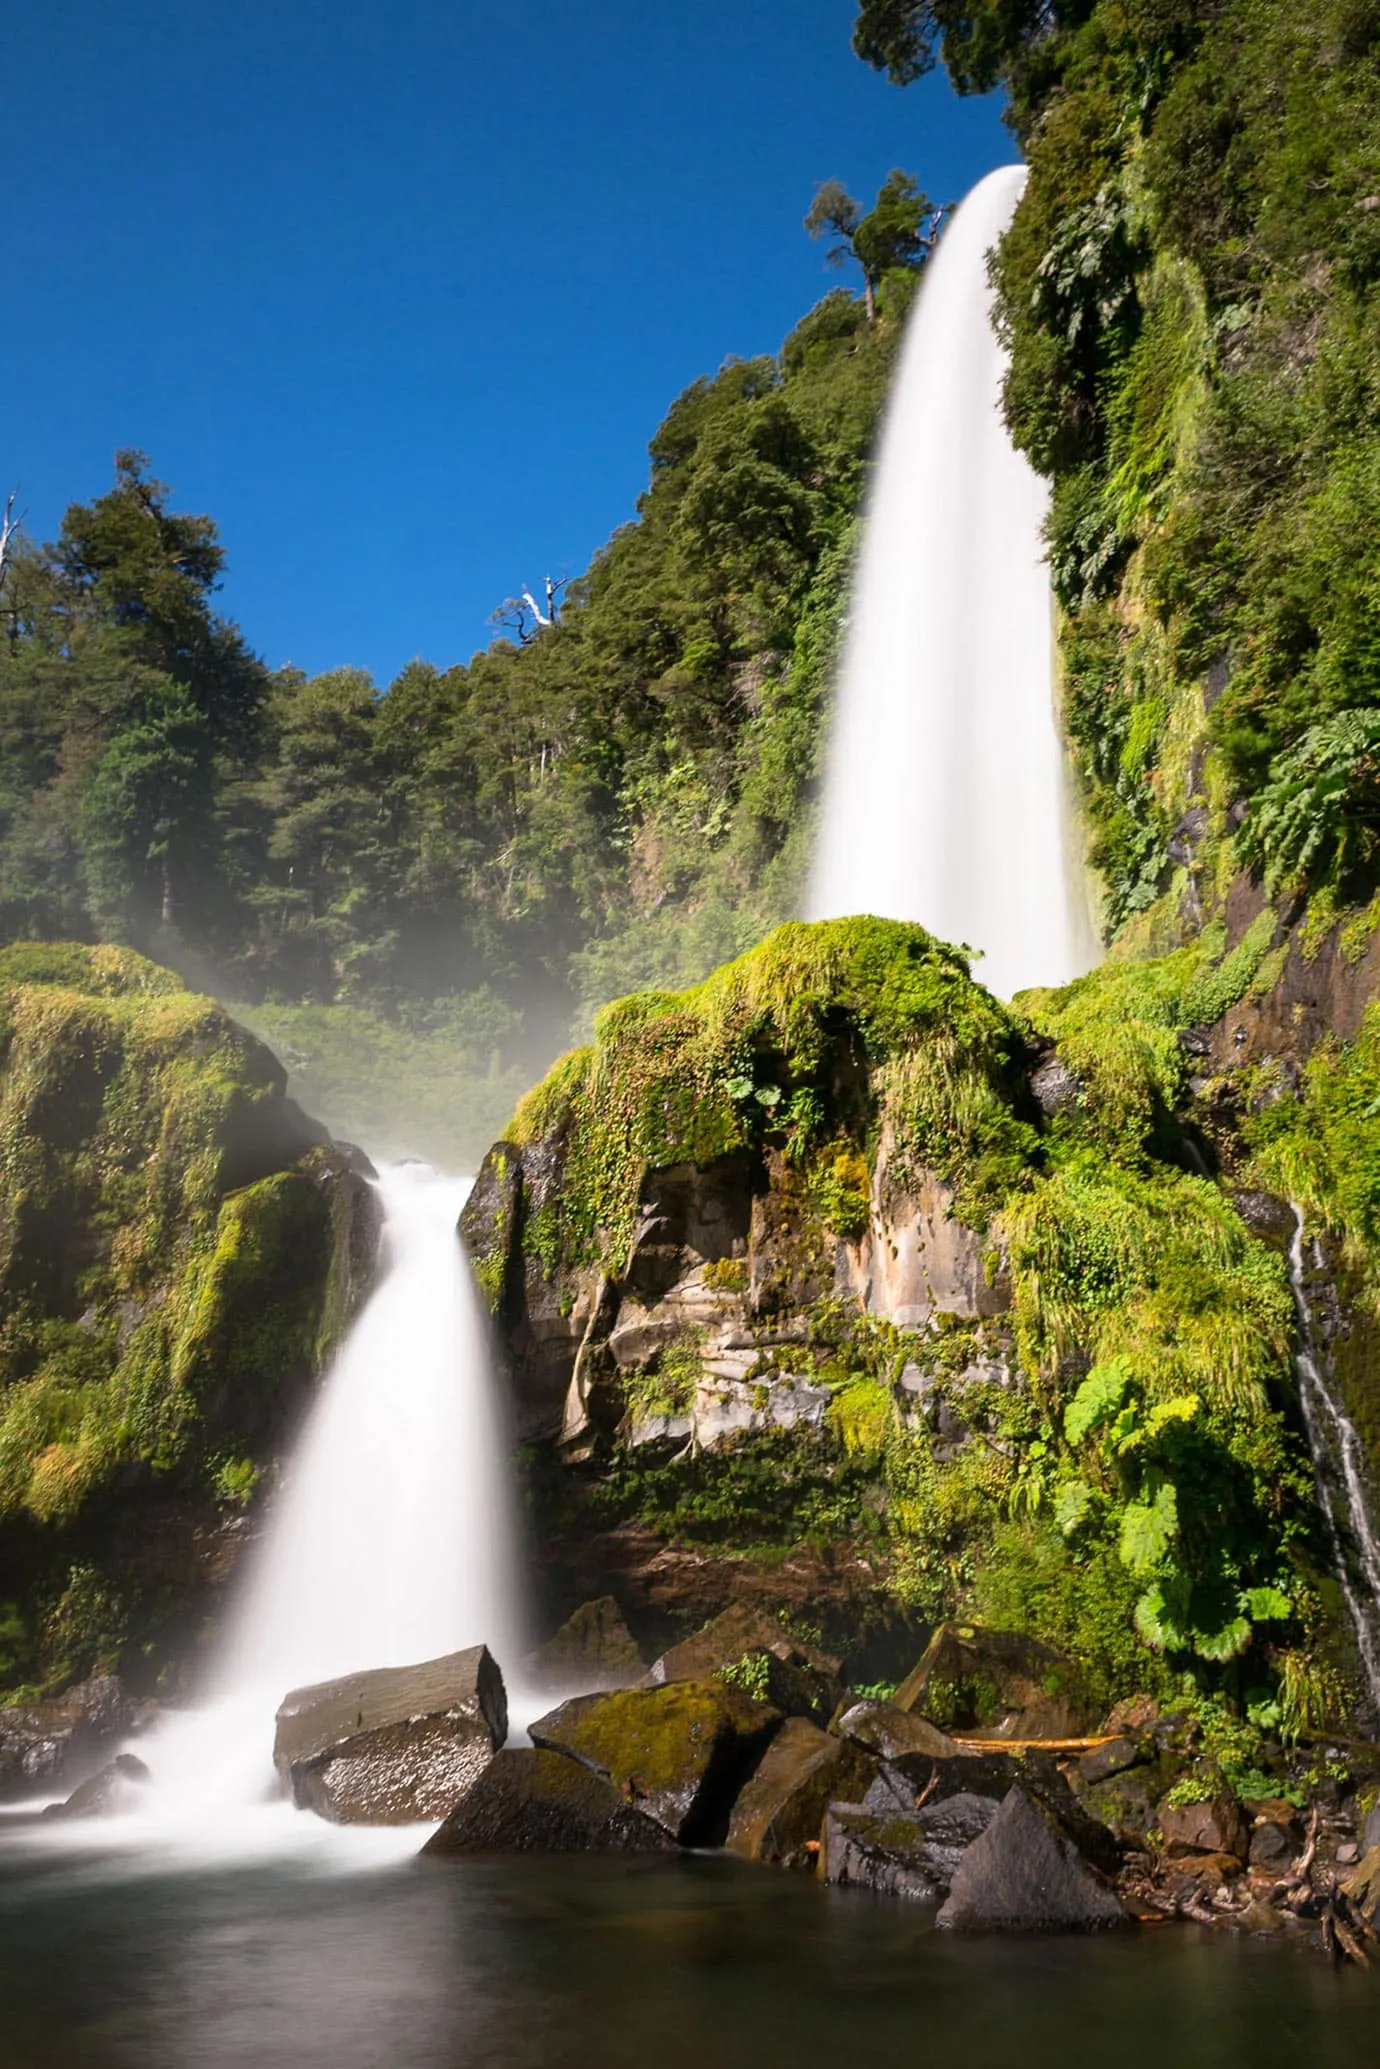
<point x="778" y="1815"/>
<point x="681" y="1752"/>
<point x="180" y="1248"/>
<point x="1024" y="1873"/>
<point x="532" y="1801"/>
<point x="396" y="1746"/>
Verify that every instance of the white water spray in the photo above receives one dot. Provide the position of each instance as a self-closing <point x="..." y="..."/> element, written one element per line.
<point x="946" y="799"/>
<point x="392" y="1540"/>
<point x="1339" y="1466"/>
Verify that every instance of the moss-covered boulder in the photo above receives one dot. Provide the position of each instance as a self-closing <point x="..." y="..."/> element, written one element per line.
<point x="680" y="1753"/>
<point x="180" y="1247"/>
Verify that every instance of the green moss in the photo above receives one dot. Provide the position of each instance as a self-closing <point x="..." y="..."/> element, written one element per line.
<point x="852" y="1023"/>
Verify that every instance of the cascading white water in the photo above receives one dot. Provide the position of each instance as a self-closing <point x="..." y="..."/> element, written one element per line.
<point x="946" y="799"/>
<point x="1338" y="1464"/>
<point x="391" y="1540"/>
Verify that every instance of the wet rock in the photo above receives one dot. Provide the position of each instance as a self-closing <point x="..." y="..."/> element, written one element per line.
<point x="1274" y="1836"/>
<point x="1134" y="1715"/>
<point x="1370" y="1830"/>
<point x="1055" y="1087"/>
<point x="999" y="1683"/>
<point x="531" y="1801"/>
<point x="797" y="1679"/>
<point x="893" y="1734"/>
<point x="396" y="1746"/>
<point x="682" y="1752"/>
<point x="1025" y="1873"/>
<point x="887" y="1853"/>
<point x="592" y="1652"/>
<point x="1216" y="1825"/>
<point x="898" y="1847"/>
<point x="777" y="1817"/>
<point x="109" y="1793"/>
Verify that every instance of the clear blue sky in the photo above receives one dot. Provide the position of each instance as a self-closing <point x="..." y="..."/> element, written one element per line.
<point x="399" y="293"/>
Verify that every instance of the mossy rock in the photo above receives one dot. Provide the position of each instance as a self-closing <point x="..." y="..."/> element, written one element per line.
<point x="681" y="1752"/>
<point x="180" y="1248"/>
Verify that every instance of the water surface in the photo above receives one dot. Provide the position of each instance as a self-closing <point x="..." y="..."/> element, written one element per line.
<point x="696" y="1963"/>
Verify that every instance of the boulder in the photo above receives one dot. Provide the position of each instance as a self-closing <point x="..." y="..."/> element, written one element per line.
<point x="682" y="1752"/>
<point x="1361" y="1887"/>
<point x="998" y="1684"/>
<point x="1370" y="1830"/>
<point x="1274" y="1837"/>
<point x="1100" y="1763"/>
<point x="1214" y="1825"/>
<point x="893" y="1734"/>
<point x="1024" y="1873"/>
<point x="107" y="1794"/>
<point x="396" y="1746"/>
<point x="899" y="1852"/>
<point x="778" y="1815"/>
<point x="530" y="1801"/>
<point x="794" y="1678"/>
<point x="592" y="1652"/>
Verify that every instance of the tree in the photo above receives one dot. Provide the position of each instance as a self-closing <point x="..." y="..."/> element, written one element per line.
<point x="147" y="816"/>
<point x="898" y="234"/>
<point x="980" y="38"/>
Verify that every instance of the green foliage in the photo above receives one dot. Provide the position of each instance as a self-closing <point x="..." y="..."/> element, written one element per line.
<point x="751" y="1673"/>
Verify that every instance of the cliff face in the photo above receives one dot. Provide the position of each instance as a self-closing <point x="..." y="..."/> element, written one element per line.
<point x="179" y="1249"/>
<point x="835" y="1266"/>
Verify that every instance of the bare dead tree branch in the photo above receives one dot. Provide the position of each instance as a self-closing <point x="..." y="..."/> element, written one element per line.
<point x="9" y="527"/>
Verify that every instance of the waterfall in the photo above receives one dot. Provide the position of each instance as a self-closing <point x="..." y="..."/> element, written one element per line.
<point x="391" y="1540"/>
<point x="1339" y="1465"/>
<point x="945" y="798"/>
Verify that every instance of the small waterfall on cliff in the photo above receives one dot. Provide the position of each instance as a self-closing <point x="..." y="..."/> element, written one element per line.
<point x="1339" y="1465"/>
<point x="946" y="799"/>
<point x="392" y="1538"/>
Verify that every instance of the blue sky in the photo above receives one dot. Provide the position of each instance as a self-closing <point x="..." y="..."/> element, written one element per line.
<point x="399" y="294"/>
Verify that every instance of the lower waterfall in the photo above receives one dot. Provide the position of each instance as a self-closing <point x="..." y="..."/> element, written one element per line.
<point x="391" y="1540"/>
<point x="946" y="798"/>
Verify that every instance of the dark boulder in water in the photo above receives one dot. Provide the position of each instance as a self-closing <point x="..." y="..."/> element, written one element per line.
<point x="682" y="1752"/>
<point x="1024" y="1873"/>
<point x="397" y="1746"/>
<point x="532" y="1801"/>
<point x="777" y="1817"/>
<point x="49" y="1745"/>
<point x="115" y="1789"/>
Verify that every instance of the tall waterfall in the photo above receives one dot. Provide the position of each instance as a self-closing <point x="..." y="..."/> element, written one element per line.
<point x="391" y="1540"/>
<point x="1339" y="1468"/>
<point x="946" y="799"/>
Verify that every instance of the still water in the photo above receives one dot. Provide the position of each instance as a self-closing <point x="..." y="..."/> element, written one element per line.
<point x="697" y="1963"/>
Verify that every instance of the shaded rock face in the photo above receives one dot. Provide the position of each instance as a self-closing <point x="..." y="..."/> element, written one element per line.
<point x="777" y="1817"/>
<point x="1215" y="1826"/>
<point x="681" y="1752"/>
<point x="894" y="1734"/>
<point x="799" y="1680"/>
<point x="397" y="1746"/>
<point x="1025" y="1874"/>
<point x="998" y="1683"/>
<point x="528" y="1800"/>
<point x="592" y="1652"/>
